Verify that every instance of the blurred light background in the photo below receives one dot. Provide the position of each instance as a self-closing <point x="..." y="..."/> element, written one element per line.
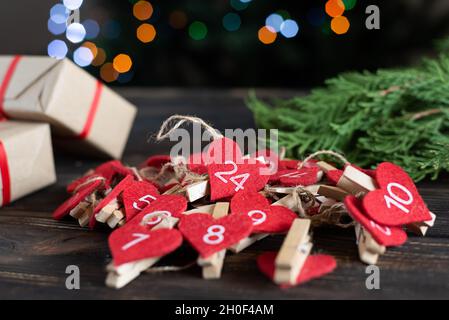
<point x="217" y="43"/>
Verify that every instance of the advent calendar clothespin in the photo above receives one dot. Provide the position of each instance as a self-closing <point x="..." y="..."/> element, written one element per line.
<point x="213" y="265"/>
<point x="293" y="253"/>
<point x="197" y="190"/>
<point x="245" y="243"/>
<point x="332" y="192"/>
<point x="369" y="249"/>
<point x="421" y="228"/>
<point x="209" y="208"/>
<point x="86" y="215"/>
<point x="355" y="181"/>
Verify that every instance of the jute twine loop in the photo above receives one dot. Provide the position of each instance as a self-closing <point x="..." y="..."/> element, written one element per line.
<point x="333" y="216"/>
<point x="87" y="182"/>
<point x="323" y="152"/>
<point x="175" y="121"/>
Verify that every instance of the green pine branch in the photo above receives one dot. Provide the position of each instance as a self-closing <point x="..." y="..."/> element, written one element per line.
<point x="400" y="116"/>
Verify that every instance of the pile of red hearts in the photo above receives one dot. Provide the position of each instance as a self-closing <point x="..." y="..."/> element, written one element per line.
<point x="224" y="201"/>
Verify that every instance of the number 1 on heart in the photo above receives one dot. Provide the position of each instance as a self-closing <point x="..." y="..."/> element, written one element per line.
<point x="393" y="199"/>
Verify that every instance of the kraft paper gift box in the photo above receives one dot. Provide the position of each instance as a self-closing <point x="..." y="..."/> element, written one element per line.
<point x="26" y="159"/>
<point x="84" y="115"/>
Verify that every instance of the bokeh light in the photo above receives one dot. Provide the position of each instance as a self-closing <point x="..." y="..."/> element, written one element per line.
<point x="57" y="49"/>
<point x="59" y="13"/>
<point x="289" y="28"/>
<point x="108" y="73"/>
<point x="246" y="1"/>
<point x="56" y="28"/>
<point x="340" y="25"/>
<point x="335" y="8"/>
<point x="73" y="4"/>
<point x="232" y="21"/>
<point x="239" y="5"/>
<point x="100" y="57"/>
<point x="92" y="47"/>
<point x="142" y="10"/>
<point x="198" y="30"/>
<point x="111" y="29"/>
<point x="83" y="56"/>
<point x="92" y="28"/>
<point x="274" y="21"/>
<point x="316" y="17"/>
<point x="146" y="32"/>
<point x="349" y="4"/>
<point x="122" y="63"/>
<point x="75" y="32"/>
<point x="267" y="35"/>
<point x="178" y="20"/>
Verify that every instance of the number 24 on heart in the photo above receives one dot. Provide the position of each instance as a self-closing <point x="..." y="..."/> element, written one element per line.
<point x="243" y="177"/>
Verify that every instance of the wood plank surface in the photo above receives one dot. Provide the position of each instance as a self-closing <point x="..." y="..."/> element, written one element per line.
<point x="35" y="250"/>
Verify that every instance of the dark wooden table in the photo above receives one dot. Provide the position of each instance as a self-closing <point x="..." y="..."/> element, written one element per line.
<point x="35" y="250"/>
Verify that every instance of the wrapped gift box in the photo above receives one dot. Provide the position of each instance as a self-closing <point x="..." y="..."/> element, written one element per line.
<point x="26" y="159"/>
<point x="85" y="116"/>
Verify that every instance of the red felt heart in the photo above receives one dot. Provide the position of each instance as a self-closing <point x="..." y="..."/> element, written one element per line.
<point x="157" y="161"/>
<point x="163" y="207"/>
<point x="266" y="218"/>
<point x="386" y="236"/>
<point x="229" y="178"/>
<point x="288" y="164"/>
<point x="397" y="202"/>
<point x="137" y="196"/>
<point x="315" y="267"/>
<point x="84" y="182"/>
<point x="334" y="176"/>
<point x="135" y="242"/>
<point x="221" y="150"/>
<point x="65" y="208"/>
<point x="208" y="235"/>
<point x="111" y="169"/>
<point x="301" y="177"/>
<point x="197" y="164"/>
<point x="118" y="189"/>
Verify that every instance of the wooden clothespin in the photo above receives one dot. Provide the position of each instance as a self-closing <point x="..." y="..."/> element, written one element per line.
<point x="369" y="249"/>
<point x="120" y="276"/>
<point x="197" y="190"/>
<point x="293" y="253"/>
<point x="421" y="228"/>
<point x="107" y="211"/>
<point x="356" y="182"/>
<point x="84" y="216"/>
<point x="245" y="243"/>
<point x="209" y="208"/>
<point x="213" y="265"/>
<point x="332" y="192"/>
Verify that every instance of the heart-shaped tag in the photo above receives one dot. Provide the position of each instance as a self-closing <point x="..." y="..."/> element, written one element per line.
<point x="266" y="218"/>
<point x="301" y="177"/>
<point x="73" y="201"/>
<point x="229" y="178"/>
<point x="221" y="150"/>
<point x="111" y="169"/>
<point x="165" y="206"/>
<point x="386" y="236"/>
<point x="315" y="267"/>
<point x="137" y="196"/>
<point x="84" y="182"/>
<point x="157" y="161"/>
<point x="197" y="164"/>
<point x="208" y="235"/>
<point x="288" y="164"/>
<point x="334" y="175"/>
<point x="135" y="242"/>
<point x="397" y="202"/>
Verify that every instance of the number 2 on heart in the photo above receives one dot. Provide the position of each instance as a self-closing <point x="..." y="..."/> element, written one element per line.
<point x="233" y="179"/>
<point x="393" y="199"/>
<point x="139" y="237"/>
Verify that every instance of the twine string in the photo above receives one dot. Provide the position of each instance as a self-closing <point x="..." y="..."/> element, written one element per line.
<point x="323" y="152"/>
<point x="87" y="182"/>
<point x="175" y="121"/>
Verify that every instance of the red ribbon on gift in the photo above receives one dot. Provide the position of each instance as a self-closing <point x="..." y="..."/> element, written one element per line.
<point x="6" y="182"/>
<point x="92" y="109"/>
